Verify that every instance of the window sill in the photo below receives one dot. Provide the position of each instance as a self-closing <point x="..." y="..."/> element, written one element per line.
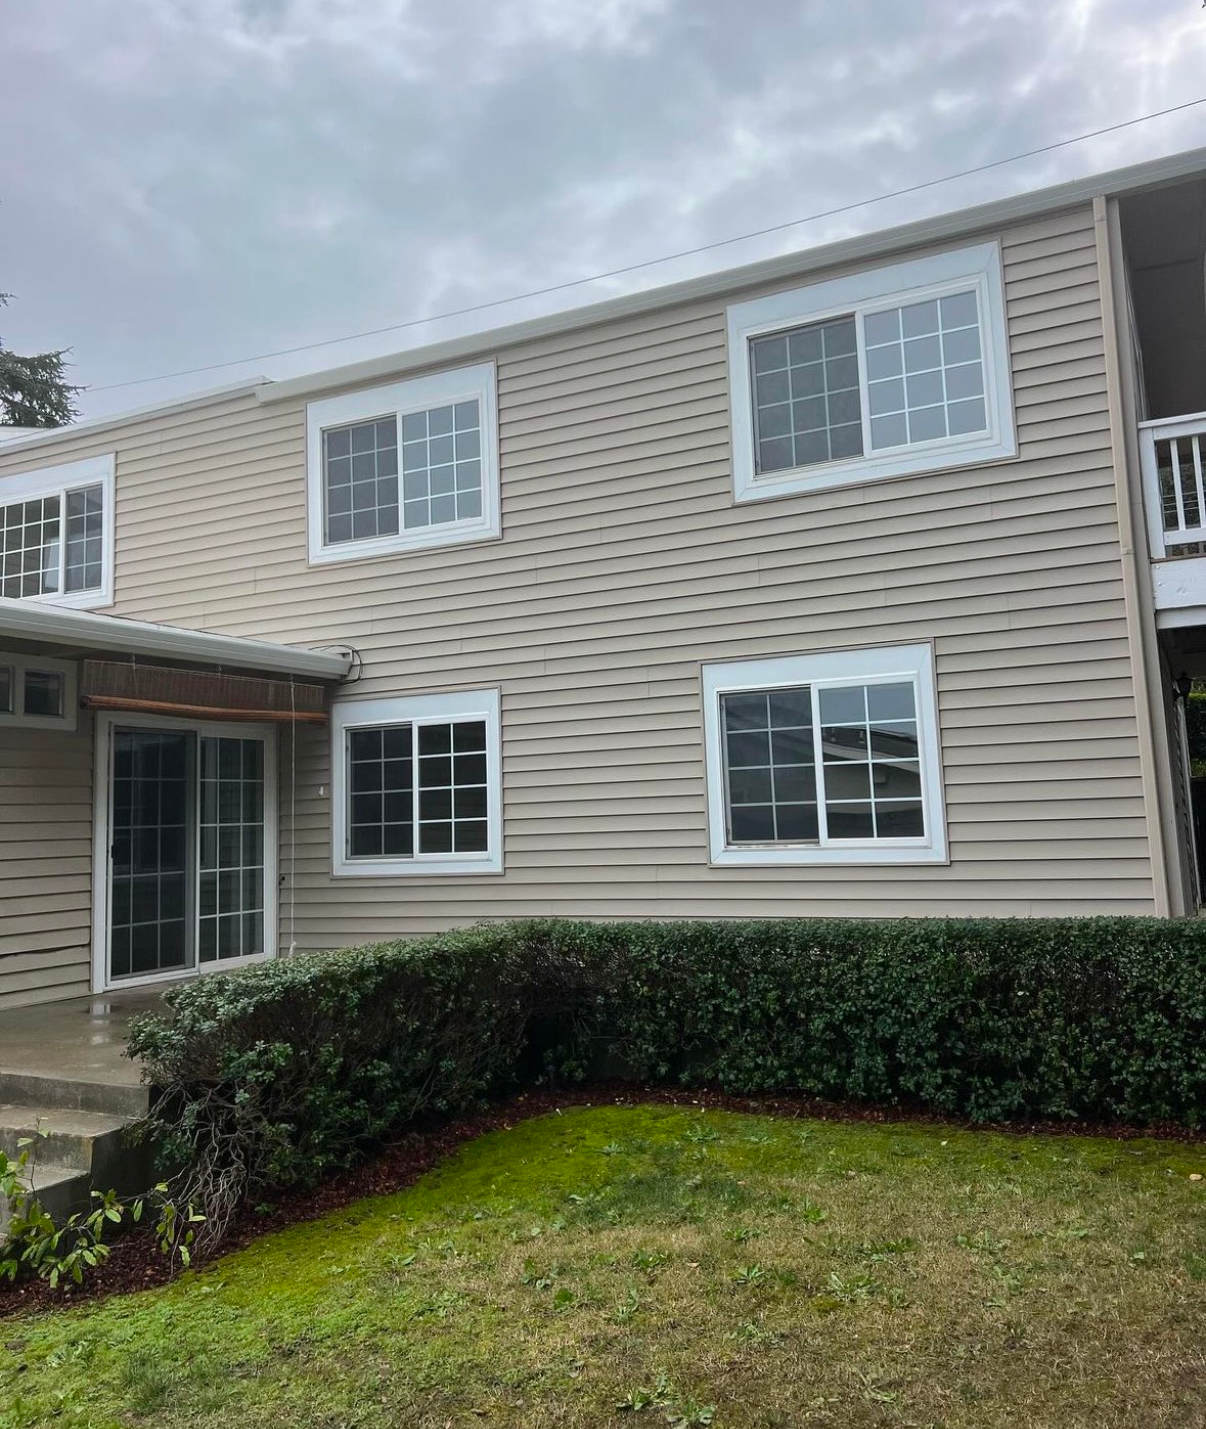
<point x="916" y="461"/>
<point x="429" y="539"/>
<point x="410" y="868"/>
<point x="81" y="600"/>
<point x="903" y="855"/>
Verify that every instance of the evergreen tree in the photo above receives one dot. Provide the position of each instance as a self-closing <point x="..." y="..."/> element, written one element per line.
<point x="34" y="391"/>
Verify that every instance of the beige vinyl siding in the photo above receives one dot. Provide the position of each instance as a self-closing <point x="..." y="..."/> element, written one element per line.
<point x="624" y="564"/>
<point x="45" y="863"/>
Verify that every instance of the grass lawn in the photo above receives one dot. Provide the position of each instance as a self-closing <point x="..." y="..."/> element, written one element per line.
<point x="691" y="1267"/>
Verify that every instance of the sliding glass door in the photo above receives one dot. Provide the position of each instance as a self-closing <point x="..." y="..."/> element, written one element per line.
<point x="191" y="846"/>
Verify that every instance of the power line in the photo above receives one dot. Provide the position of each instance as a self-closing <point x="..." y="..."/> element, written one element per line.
<point x="665" y="258"/>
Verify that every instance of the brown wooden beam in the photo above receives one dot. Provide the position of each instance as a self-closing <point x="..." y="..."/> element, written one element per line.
<point x="164" y="707"/>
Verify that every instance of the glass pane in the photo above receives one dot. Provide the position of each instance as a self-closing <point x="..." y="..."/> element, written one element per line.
<point x="871" y="764"/>
<point x="806" y="400"/>
<point x="381" y="797"/>
<point x="84" y="530"/>
<point x="43" y="693"/>
<point x="453" y="793"/>
<point x="770" y="779"/>
<point x="29" y="547"/>
<point x="7" y="682"/>
<point x="231" y="921"/>
<point x="150" y="868"/>
<point x="441" y="464"/>
<point x="936" y="344"/>
<point x="360" y="480"/>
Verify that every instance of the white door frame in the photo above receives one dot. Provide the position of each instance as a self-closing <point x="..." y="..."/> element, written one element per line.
<point x="102" y="842"/>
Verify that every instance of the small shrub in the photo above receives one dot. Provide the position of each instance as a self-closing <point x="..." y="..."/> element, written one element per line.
<point x="35" y="1245"/>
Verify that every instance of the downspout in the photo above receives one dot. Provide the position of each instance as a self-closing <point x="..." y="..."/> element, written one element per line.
<point x="1155" y="756"/>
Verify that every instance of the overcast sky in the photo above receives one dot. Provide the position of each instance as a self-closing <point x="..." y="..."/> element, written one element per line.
<point x="185" y="182"/>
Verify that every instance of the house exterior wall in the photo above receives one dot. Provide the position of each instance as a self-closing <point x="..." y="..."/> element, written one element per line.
<point x="624" y="564"/>
<point x="45" y="863"/>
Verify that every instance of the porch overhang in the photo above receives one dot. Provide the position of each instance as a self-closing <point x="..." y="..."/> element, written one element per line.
<point x="81" y="633"/>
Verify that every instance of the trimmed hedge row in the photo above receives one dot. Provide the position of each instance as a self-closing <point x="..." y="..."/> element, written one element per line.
<point x="295" y="1067"/>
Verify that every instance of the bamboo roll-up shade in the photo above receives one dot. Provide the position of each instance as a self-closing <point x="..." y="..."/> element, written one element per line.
<point x="199" y="694"/>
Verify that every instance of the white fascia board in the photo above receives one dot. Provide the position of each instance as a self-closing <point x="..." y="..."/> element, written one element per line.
<point x="962" y="223"/>
<point x="85" y="630"/>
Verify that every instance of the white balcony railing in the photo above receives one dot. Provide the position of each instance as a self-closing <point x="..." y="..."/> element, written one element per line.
<point x="1173" y="452"/>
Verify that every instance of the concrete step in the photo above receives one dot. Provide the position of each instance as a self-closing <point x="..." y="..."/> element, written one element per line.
<point x="67" y="1093"/>
<point x="93" y="1140"/>
<point x="61" y="1190"/>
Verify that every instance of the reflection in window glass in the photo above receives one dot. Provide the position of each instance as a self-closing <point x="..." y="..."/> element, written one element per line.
<point x="867" y="747"/>
<point x="43" y="693"/>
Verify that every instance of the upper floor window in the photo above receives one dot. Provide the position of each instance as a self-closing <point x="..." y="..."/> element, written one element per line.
<point x="826" y="758"/>
<point x="406" y="466"/>
<point x="883" y="373"/>
<point x="37" y="691"/>
<point x="56" y="534"/>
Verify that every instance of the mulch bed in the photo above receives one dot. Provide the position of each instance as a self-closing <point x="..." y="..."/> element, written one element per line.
<point x="136" y="1264"/>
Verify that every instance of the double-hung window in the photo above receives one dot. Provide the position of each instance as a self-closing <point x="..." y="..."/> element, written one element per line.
<point x="827" y="758"/>
<point x="883" y="373"/>
<point x="403" y="467"/>
<point x="416" y="785"/>
<point x="56" y="534"/>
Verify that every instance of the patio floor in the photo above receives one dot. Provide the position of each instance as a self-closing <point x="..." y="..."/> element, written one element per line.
<point x="80" y="1039"/>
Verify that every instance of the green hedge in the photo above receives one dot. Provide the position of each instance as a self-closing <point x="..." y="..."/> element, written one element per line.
<point x="295" y="1067"/>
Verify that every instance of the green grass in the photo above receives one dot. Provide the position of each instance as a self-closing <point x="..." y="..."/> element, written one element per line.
<point x="692" y="1267"/>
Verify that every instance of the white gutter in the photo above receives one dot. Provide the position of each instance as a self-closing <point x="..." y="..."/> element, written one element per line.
<point x="30" y="620"/>
<point x="959" y="224"/>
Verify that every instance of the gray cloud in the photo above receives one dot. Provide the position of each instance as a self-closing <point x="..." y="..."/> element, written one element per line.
<point x="191" y="182"/>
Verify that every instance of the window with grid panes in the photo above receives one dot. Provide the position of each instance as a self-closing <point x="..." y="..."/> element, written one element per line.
<point x="812" y="753"/>
<point x="902" y="369"/>
<point x="52" y="544"/>
<point x="54" y="530"/>
<point x="417" y="789"/>
<point x="420" y="474"/>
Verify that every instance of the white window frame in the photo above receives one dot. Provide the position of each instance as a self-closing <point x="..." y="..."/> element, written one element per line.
<point x="398" y="399"/>
<point x="20" y="665"/>
<point x="859" y="295"/>
<point x="883" y="664"/>
<point x="57" y="481"/>
<point x="416" y="710"/>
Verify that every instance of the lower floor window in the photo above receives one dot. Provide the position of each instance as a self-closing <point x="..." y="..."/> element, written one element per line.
<point x="826" y="758"/>
<point x="417" y="787"/>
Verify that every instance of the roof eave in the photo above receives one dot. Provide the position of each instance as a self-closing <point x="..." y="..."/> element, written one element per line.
<point x="86" y="630"/>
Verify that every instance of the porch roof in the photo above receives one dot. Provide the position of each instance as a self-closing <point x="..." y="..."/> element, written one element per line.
<point x="82" y="632"/>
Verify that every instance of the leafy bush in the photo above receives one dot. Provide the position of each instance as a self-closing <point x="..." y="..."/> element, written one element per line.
<point x="274" y="1076"/>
